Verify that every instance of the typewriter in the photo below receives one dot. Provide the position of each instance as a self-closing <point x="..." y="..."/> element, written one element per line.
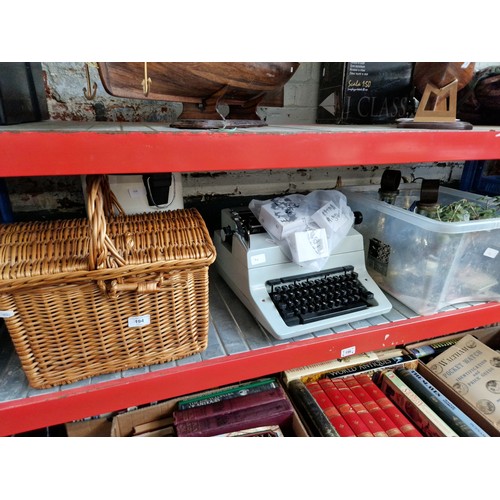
<point x="285" y="299"/>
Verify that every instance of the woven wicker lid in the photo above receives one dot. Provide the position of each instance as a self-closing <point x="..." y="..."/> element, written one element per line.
<point x="41" y="248"/>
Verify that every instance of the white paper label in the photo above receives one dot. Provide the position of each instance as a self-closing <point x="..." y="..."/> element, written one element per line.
<point x="348" y="351"/>
<point x="138" y="321"/>
<point x="6" y="314"/>
<point x="135" y="193"/>
<point x="258" y="259"/>
<point x="491" y="253"/>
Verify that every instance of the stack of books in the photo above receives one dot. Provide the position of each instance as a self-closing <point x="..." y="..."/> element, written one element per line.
<point x="356" y="407"/>
<point x="401" y="396"/>
<point x="258" y="408"/>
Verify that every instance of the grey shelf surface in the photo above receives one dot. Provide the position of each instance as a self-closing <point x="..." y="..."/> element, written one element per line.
<point x="232" y="330"/>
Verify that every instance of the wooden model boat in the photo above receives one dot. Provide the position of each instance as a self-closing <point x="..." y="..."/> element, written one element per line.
<point x="441" y="74"/>
<point x="201" y="86"/>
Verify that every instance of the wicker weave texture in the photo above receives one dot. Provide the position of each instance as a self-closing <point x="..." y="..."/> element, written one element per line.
<point x="130" y="291"/>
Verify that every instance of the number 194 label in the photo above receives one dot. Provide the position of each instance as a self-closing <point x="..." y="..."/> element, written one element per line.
<point x="138" y="321"/>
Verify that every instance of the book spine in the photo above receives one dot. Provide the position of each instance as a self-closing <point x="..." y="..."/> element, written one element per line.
<point x="373" y="426"/>
<point x="370" y="366"/>
<point x="354" y="421"/>
<point x="424" y="418"/>
<point x="228" y="393"/>
<point x="442" y="406"/>
<point x="392" y="411"/>
<point x="229" y="405"/>
<point x="311" y="373"/>
<point x="431" y="349"/>
<point x="390" y="427"/>
<point x="277" y="413"/>
<point x="319" y="424"/>
<point x="330" y="410"/>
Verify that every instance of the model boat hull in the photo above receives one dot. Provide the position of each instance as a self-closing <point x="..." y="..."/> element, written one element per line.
<point x="195" y="81"/>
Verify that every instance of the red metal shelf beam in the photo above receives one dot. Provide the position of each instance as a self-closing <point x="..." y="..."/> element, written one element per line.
<point x="40" y="411"/>
<point x="86" y="152"/>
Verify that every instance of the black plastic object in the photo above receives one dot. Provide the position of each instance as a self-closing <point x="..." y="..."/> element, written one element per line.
<point x="22" y="93"/>
<point x="358" y="217"/>
<point x="157" y="188"/>
<point x="389" y="186"/>
<point x="429" y="192"/>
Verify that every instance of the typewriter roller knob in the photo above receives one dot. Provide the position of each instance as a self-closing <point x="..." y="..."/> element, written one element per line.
<point x="358" y="217"/>
<point x="226" y="233"/>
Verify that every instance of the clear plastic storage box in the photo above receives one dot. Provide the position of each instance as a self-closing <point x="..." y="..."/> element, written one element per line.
<point x="427" y="264"/>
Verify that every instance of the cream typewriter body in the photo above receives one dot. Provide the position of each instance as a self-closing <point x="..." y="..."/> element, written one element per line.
<point x="285" y="298"/>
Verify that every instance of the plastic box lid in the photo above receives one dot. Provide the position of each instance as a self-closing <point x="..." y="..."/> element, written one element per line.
<point x="408" y="193"/>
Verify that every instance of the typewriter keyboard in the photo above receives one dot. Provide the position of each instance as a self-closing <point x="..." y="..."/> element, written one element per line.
<point x="305" y="298"/>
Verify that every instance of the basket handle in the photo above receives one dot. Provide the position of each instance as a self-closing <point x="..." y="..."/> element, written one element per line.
<point x="160" y="284"/>
<point x="101" y="203"/>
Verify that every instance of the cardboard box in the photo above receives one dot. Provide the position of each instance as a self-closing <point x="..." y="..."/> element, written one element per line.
<point x="489" y="336"/>
<point x="94" y="427"/>
<point x="123" y="424"/>
<point x="280" y="219"/>
<point x="364" y="92"/>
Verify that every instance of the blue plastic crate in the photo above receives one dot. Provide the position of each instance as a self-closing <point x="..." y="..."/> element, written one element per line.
<point x="474" y="179"/>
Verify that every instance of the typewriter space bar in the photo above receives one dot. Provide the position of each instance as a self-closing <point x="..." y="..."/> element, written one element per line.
<point x="330" y="313"/>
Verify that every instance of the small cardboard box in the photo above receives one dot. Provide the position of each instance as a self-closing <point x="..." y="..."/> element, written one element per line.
<point x="364" y="92"/>
<point x="123" y="424"/>
<point x="94" y="427"/>
<point x="280" y="219"/>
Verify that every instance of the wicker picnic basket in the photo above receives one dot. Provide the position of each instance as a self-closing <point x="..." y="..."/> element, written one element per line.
<point x="86" y="297"/>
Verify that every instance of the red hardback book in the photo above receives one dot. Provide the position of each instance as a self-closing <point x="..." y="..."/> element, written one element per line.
<point x="395" y="414"/>
<point x="330" y="410"/>
<point x="229" y="405"/>
<point x="374" y="427"/>
<point x="372" y="406"/>
<point x="274" y="413"/>
<point x="354" y="421"/>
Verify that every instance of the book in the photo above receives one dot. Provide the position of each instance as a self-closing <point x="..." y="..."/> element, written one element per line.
<point x="442" y="406"/>
<point x="373" y="426"/>
<point x="330" y="410"/>
<point x="392" y="411"/>
<point x="168" y="431"/>
<point x="354" y="421"/>
<point x="317" y="421"/>
<point x="229" y="405"/>
<point x="155" y="425"/>
<point x="275" y="413"/>
<point x="230" y="392"/>
<point x="266" y="431"/>
<point x="387" y="424"/>
<point x="377" y="364"/>
<point x="431" y="349"/>
<point x="472" y="369"/>
<point x="310" y="373"/>
<point x="425" y="419"/>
